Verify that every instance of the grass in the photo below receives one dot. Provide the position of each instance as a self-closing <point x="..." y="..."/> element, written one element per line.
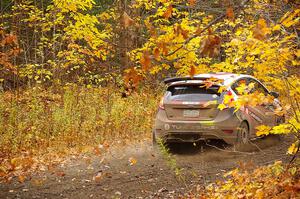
<point x="38" y="120"/>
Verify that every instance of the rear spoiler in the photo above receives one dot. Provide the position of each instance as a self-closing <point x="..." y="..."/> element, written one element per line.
<point x="177" y="79"/>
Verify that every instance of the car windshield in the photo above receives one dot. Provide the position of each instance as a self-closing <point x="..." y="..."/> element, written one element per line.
<point x="193" y="89"/>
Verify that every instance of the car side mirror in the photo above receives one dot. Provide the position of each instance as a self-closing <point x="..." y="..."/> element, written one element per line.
<point x="274" y="94"/>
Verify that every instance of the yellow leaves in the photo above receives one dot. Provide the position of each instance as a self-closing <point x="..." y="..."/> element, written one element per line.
<point x="261" y="30"/>
<point x="241" y="89"/>
<point x="180" y="31"/>
<point x="291" y="18"/>
<point x="222" y="89"/>
<point x="132" y="161"/>
<point x="73" y="5"/>
<point x="276" y="27"/>
<point x="222" y="106"/>
<point x="261" y="182"/>
<point x="297" y="53"/>
<point x="259" y="194"/>
<point x="293" y="148"/>
<point x="281" y="129"/>
<point x="228" y="99"/>
<point x="263" y="130"/>
<point x="168" y="13"/>
<point x="126" y="20"/>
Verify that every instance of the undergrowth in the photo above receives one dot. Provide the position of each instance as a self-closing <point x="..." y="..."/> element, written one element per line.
<point x="38" y="120"/>
<point x="277" y="180"/>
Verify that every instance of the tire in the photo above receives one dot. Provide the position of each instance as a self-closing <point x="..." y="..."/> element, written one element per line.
<point x="154" y="141"/>
<point x="243" y="134"/>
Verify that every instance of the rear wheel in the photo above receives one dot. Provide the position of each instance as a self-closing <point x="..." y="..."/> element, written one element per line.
<point x="154" y="141"/>
<point x="243" y="134"/>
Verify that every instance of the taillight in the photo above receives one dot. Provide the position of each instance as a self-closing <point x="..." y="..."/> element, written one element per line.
<point x="228" y="131"/>
<point x="231" y="95"/>
<point x="161" y="104"/>
<point x="228" y="100"/>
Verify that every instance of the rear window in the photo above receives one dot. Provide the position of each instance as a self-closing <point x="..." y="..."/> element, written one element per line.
<point x="193" y="89"/>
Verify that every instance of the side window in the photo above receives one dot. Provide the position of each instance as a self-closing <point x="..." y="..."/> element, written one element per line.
<point x="237" y="84"/>
<point x="257" y="87"/>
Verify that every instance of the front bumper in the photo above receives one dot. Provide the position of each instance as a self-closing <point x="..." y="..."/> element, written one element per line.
<point x="223" y="127"/>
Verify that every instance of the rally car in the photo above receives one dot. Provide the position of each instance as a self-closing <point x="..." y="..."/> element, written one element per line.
<point x="188" y="111"/>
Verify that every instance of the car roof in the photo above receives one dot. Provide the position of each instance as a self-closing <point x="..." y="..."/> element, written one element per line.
<point x="228" y="78"/>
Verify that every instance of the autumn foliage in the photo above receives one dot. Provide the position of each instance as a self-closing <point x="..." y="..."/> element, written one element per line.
<point x="65" y="64"/>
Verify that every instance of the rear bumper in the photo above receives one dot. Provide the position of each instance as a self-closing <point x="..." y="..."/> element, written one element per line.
<point x="224" y="127"/>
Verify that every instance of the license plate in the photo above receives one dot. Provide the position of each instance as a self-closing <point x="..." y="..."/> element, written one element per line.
<point x="190" y="113"/>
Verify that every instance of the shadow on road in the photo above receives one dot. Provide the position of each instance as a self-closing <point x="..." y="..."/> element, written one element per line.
<point x="196" y="148"/>
<point x="256" y="145"/>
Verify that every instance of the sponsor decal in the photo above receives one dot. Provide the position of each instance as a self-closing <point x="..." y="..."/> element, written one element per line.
<point x="255" y="117"/>
<point x="246" y="110"/>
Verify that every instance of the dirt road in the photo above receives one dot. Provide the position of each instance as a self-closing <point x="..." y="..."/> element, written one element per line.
<point x="137" y="171"/>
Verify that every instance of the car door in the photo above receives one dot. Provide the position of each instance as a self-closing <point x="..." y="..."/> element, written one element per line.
<point x="262" y="114"/>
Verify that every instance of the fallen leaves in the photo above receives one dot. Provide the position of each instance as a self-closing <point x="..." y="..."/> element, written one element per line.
<point x="98" y="177"/>
<point x="262" y="182"/>
<point x="132" y="161"/>
<point x="21" y="178"/>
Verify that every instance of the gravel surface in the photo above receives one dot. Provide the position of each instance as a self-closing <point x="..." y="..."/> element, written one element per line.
<point x="139" y="171"/>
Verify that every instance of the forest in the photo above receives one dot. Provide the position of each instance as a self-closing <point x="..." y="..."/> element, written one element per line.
<point x="83" y="76"/>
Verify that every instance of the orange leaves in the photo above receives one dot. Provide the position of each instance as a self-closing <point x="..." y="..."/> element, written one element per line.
<point x="210" y="45"/>
<point x="98" y="177"/>
<point x="132" y="77"/>
<point x="21" y="178"/>
<point x="156" y="54"/>
<point x="126" y="20"/>
<point x="9" y="39"/>
<point x="230" y="13"/>
<point x="168" y="13"/>
<point x="198" y="31"/>
<point x="60" y="173"/>
<point x="192" y="2"/>
<point x="180" y="31"/>
<point x="11" y="49"/>
<point x="163" y="47"/>
<point x="145" y="61"/>
<point x="192" y="71"/>
<point x="261" y="30"/>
